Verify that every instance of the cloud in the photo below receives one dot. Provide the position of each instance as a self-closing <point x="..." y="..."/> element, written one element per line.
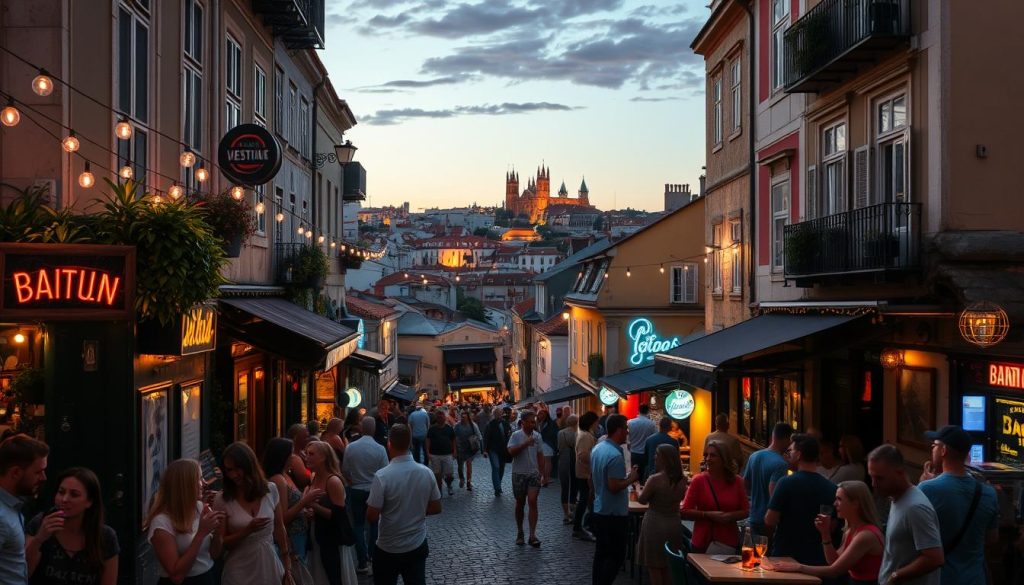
<point x="391" y="117"/>
<point x="654" y="99"/>
<point x="405" y="85"/>
<point x="477" y="19"/>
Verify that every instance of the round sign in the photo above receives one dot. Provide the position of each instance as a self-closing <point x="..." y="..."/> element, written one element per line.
<point x="354" y="397"/>
<point x="249" y="155"/>
<point x="607" y="397"/>
<point x="679" y="404"/>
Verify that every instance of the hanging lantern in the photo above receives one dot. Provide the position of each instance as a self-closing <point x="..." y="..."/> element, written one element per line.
<point x="309" y="234"/>
<point x="175" y="192"/>
<point x="123" y="130"/>
<point x="334" y="244"/>
<point x="42" y="85"/>
<point x="202" y="174"/>
<point x="984" y="324"/>
<point x="86" y="180"/>
<point x="891" y="358"/>
<point x="237" y="193"/>
<point x="320" y="239"/>
<point x="187" y="158"/>
<point x="71" y="143"/>
<point x="10" y="116"/>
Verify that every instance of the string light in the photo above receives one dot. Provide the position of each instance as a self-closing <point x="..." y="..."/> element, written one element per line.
<point x="237" y="193"/>
<point x="42" y="84"/>
<point x="86" y="180"/>
<point x="175" y="192"/>
<point x="302" y="229"/>
<point x="279" y="217"/>
<point x="157" y="199"/>
<point x="187" y="159"/>
<point x="320" y="239"/>
<point x="71" y="143"/>
<point x="123" y="130"/>
<point x="628" y="273"/>
<point x="606" y="274"/>
<point x="202" y="174"/>
<point x="661" y="269"/>
<point x="260" y="207"/>
<point x="334" y="244"/>
<point x="309" y="234"/>
<point x="126" y="172"/>
<point x="10" y="116"/>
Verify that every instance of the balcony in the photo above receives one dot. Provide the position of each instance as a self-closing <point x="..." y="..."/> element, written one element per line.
<point x="298" y="23"/>
<point x="355" y="182"/>
<point x="881" y="238"/>
<point x="830" y="43"/>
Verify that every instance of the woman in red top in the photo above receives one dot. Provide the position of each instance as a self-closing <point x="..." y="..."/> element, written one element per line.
<point x="715" y="500"/>
<point x="861" y="552"/>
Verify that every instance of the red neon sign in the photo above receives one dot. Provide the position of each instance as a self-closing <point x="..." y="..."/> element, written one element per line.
<point x="1006" y="375"/>
<point x="66" y="284"/>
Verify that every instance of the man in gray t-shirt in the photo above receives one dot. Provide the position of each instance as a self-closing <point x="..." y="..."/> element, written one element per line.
<point x="524" y="447"/>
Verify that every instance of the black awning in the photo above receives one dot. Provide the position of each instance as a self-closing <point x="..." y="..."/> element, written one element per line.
<point x="286" y="329"/>
<point x="401" y="392"/>
<point x="476" y="355"/>
<point x="563" y="394"/>
<point x="489" y="382"/>
<point x="366" y="359"/>
<point x="695" y="363"/>
<point x="636" y="380"/>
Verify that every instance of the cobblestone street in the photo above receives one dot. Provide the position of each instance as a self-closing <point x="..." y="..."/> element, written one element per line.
<point x="473" y="541"/>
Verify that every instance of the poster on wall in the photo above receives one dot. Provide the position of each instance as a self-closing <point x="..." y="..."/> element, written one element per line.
<point x="915" y="406"/>
<point x="154" y="442"/>
<point x="1009" y="431"/>
<point x="191" y="395"/>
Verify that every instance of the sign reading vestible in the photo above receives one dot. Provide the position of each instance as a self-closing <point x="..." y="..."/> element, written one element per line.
<point x="249" y="155"/>
<point x="679" y="404"/>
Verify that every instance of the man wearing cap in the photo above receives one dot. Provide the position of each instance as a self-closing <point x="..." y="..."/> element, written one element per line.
<point x="968" y="509"/>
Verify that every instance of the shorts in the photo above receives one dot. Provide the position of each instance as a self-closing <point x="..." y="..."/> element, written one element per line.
<point x="522" y="483"/>
<point x="442" y="465"/>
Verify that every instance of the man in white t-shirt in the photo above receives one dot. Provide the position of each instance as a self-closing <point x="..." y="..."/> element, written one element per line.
<point x="524" y="447"/>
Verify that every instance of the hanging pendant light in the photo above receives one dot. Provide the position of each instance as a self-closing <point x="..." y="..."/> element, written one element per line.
<point x="175" y="192"/>
<point x="187" y="159"/>
<point x="984" y="324"/>
<point x="10" y="116"/>
<point x="202" y="174"/>
<point x="42" y="84"/>
<point x="86" y="179"/>
<point x="237" y="193"/>
<point x="71" y="142"/>
<point x="123" y="130"/>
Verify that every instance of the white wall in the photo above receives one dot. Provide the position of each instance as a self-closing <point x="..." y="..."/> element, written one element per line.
<point x="557" y="358"/>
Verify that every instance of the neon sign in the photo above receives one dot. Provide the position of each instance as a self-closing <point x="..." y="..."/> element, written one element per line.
<point x="1006" y="376"/>
<point x="607" y="397"/>
<point x="355" y="397"/>
<point x="646" y="342"/>
<point x="199" y="330"/>
<point x="679" y="404"/>
<point x="66" y="284"/>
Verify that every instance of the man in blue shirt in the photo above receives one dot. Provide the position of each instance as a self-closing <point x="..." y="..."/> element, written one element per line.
<point x="641" y="428"/>
<point x="22" y="471"/>
<point x="654" y="441"/>
<point x="764" y="469"/>
<point x="419" y="423"/>
<point x="795" y="503"/>
<point x="611" y="501"/>
<point x="951" y="494"/>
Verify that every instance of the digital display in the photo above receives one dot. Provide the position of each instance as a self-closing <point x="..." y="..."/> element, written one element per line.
<point x="977" y="454"/>
<point x="1009" y="431"/>
<point x="973" y="413"/>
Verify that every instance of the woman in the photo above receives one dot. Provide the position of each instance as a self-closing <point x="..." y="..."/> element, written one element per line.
<point x="332" y="436"/>
<point x="185" y="534"/>
<point x="585" y="441"/>
<point x="352" y="431"/>
<point x="254" y="522"/>
<point x="677" y="433"/>
<point x="567" y="466"/>
<point x="663" y="492"/>
<point x="468" y="441"/>
<point x="851" y="456"/>
<point x="860" y="555"/>
<point x="330" y="562"/>
<point x="715" y="500"/>
<point x="549" y="443"/>
<point x="72" y="545"/>
<point x="294" y="514"/>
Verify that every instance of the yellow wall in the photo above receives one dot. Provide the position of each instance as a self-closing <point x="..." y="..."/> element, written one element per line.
<point x="429" y="348"/>
<point x="700" y="426"/>
<point x="580" y="344"/>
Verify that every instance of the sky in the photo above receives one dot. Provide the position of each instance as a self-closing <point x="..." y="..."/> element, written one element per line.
<point x="450" y="95"/>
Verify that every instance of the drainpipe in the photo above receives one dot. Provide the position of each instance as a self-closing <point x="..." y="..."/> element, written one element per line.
<point x="752" y="163"/>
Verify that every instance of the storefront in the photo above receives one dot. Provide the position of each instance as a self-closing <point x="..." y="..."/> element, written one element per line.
<point x="989" y="404"/>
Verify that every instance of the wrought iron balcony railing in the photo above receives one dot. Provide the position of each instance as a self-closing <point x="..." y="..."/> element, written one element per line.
<point x="299" y="23"/>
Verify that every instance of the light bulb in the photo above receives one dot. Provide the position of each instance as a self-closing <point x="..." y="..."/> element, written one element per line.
<point x="309" y="234"/>
<point x="406" y="275"/>
<point x="606" y="275"/>
<point x="302" y="230"/>
<point x="126" y="172"/>
<point x="320" y="240"/>
<point x="334" y="244"/>
<point x="279" y="217"/>
<point x="628" y="273"/>
<point x="10" y="116"/>
<point x="86" y="180"/>
<point x="202" y="174"/>
<point x="19" y="338"/>
<point x="237" y="193"/>
<point x="71" y="143"/>
<point x="42" y="85"/>
<point x="157" y="199"/>
<point x="260" y="207"/>
<point x="175" y="191"/>
<point x="661" y="269"/>
<point x="343" y="247"/>
<point x="123" y="130"/>
<point x="457" y="279"/>
<point x="187" y="159"/>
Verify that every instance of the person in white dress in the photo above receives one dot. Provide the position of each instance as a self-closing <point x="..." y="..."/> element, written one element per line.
<point x="331" y="561"/>
<point x="254" y="522"/>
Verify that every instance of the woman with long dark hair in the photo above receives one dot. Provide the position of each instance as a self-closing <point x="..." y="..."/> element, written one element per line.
<point x="663" y="492"/>
<point x="183" y="532"/>
<point x="332" y="562"/>
<point x="255" y="521"/>
<point x="71" y="544"/>
<point x="294" y="514"/>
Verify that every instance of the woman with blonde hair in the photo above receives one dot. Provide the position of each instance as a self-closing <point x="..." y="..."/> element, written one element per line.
<point x="851" y="457"/>
<point x="663" y="492"/>
<point x="331" y="561"/>
<point x="860" y="555"/>
<point x="715" y="501"/>
<point x="185" y="534"/>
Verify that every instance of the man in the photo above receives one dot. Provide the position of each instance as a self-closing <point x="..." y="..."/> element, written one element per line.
<point x="496" y="435"/>
<point x="656" y="440"/>
<point x="796" y="502"/>
<point x="913" y="543"/>
<point x="722" y="435"/>
<point x="419" y="424"/>
<point x="440" y="448"/>
<point x="763" y="470"/>
<point x="610" y="520"/>
<point x="828" y="464"/>
<point x="527" y="461"/>
<point x="363" y="459"/>
<point x="483" y="418"/>
<point x="602" y="423"/>
<point x="640" y="429"/>
<point x="22" y="471"/>
<point x="967" y="509"/>
<point x="402" y="495"/>
<point x="296" y="466"/>
<point x="384" y="420"/>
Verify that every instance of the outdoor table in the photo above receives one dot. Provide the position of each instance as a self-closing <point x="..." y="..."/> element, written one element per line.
<point x="636" y="516"/>
<point x="719" y="572"/>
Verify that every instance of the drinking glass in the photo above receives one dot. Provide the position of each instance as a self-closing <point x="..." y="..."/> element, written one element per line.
<point x="826" y="510"/>
<point x="760" y="548"/>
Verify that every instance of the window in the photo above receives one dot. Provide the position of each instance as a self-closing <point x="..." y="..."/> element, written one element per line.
<point x="233" y="84"/>
<point x="192" y="87"/>
<point x="736" y="275"/>
<point x="737" y="99"/>
<point x="293" y="114"/>
<point x="716" y="258"/>
<point x="133" y="65"/>
<point x="304" y="143"/>
<point x="572" y="339"/>
<point x="780" y="217"/>
<point x="193" y="30"/>
<point x="259" y="102"/>
<point x="780" y="22"/>
<point x="716" y="95"/>
<point x="765" y="401"/>
<point x="833" y="169"/>
<point x="893" y="150"/>
<point x="260" y="208"/>
<point x="279" y="125"/>
<point x="683" y="284"/>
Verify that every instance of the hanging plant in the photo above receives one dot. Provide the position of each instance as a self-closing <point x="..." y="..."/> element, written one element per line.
<point x="28" y="218"/>
<point x="233" y="222"/>
<point x="310" y="267"/>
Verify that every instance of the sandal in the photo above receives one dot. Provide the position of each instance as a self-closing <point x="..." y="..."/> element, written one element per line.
<point x="534" y="542"/>
<point x="520" y="540"/>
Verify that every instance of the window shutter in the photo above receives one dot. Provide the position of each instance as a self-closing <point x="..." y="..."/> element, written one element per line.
<point x="908" y="177"/>
<point x="844" y="191"/>
<point x="690" y="296"/>
<point x="811" y="203"/>
<point x="861" y="177"/>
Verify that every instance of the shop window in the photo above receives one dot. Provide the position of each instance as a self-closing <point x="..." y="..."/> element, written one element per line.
<point x="764" y="402"/>
<point x="242" y="407"/>
<point x="191" y="413"/>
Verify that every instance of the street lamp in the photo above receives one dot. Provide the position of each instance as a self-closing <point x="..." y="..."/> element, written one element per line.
<point x="345" y="152"/>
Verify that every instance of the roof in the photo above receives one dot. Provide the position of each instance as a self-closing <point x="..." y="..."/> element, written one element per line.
<point x="525" y="306"/>
<point x="688" y="205"/>
<point x="456" y="241"/>
<point x="574" y="260"/>
<point x="367" y="309"/>
<point x="412" y="278"/>
<point x="539" y="251"/>
<point x="412" y="323"/>
<point x="583" y="186"/>
<point x="571" y="209"/>
<point x="553" y="326"/>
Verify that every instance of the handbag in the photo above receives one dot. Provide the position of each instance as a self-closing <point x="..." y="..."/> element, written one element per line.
<point x="474" y="440"/>
<point x="340" y="525"/>
<point x="719" y="546"/>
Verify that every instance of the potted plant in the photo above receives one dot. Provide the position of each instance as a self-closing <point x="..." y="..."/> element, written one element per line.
<point x="232" y="221"/>
<point x="880" y="247"/>
<point x="799" y="249"/>
<point x="310" y="267"/>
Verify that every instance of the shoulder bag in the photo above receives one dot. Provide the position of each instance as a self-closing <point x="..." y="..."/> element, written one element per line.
<point x="474" y="440"/>
<point x="718" y="547"/>
<point x="948" y="549"/>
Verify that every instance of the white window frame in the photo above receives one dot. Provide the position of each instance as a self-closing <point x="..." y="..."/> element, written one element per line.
<point x="259" y="95"/>
<point x="260" y="196"/>
<point x="682" y="284"/>
<point x="736" y="237"/>
<point x="138" y="107"/>
<point x="780" y="20"/>
<point x="293" y="105"/>
<point x="832" y="169"/>
<point x="233" y="82"/>
<point x="192" y="84"/>
<point x="887" y="140"/>
<point x="716" y="258"/>
<point x="304" y="127"/>
<point x="716" y="109"/>
<point x="279" y="121"/>
<point x="737" y="97"/>
<point x="780" y="218"/>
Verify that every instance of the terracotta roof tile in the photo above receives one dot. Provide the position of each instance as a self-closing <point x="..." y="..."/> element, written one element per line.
<point x="367" y="309"/>
<point x="553" y="326"/>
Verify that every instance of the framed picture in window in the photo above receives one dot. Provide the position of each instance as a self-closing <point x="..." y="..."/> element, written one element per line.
<point x="915" y="405"/>
<point x="154" y="440"/>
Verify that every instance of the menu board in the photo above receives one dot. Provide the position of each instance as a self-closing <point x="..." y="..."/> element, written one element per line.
<point x="1009" y="431"/>
<point x="974" y="413"/>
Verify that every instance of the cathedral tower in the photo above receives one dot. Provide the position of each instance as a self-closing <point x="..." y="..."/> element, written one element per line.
<point x="584" y="193"/>
<point x="511" y="191"/>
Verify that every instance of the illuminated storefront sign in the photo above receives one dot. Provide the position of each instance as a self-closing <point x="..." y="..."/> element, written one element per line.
<point x="361" y="330"/>
<point x="199" y="330"/>
<point x="607" y="397"/>
<point x="1009" y="433"/>
<point x="646" y="342"/>
<point x="679" y="404"/>
<point x="1006" y="375"/>
<point x="355" y="397"/>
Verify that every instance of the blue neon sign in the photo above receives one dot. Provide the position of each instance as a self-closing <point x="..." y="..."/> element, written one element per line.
<point x="361" y="330"/>
<point x="646" y="342"/>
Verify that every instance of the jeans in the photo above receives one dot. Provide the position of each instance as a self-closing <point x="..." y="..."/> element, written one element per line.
<point x="419" y="450"/>
<point x="497" y="470"/>
<point x="583" y="507"/>
<point x="412" y="566"/>
<point x="610" y="551"/>
<point x="300" y="542"/>
<point x="356" y="504"/>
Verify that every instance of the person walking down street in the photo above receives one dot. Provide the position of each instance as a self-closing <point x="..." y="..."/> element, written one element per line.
<point x="72" y="545"/>
<point x="611" y="501"/>
<point x="419" y="424"/>
<point x="851" y="460"/>
<point x="585" y="441"/>
<point x="567" y="467"/>
<point x="331" y="559"/>
<point x="296" y="511"/>
<point x="468" y="441"/>
<point x="483" y="418"/>
<point x="440" y="448"/>
<point x="795" y="503"/>
<point x="496" y="435"/>
<point x="351" y="431"/>
<point x="723" y="436"/>
<point x="365" y="458"/>
<point x="185" y="534"/>
<point x="402" y="495"/>
<point x="715" y="500"/>
<point x="384" y="420"/>
<point x="549" y="444"/>
<point x="641" y="428"/>
<point x="968" y="509"/>
<point x="913" y="542"/>
<point x="254" y="522"/>
<point x="662" y="492"/>
<point x="763" y="470"/>
<point x="860" y="555"/>
<point x="656" y="440"/>
<point x="22" y="471"/>
<point x="525" y="448"/>
<point x="299" y="435"/>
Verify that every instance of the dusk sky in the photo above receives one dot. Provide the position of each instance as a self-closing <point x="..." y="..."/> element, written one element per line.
<point x="450" y="95"/>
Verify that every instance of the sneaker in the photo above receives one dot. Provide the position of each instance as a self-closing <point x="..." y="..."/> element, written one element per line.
<point x="583" y="534"/>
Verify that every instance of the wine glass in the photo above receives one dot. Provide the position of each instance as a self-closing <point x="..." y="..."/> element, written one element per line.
<point x="760" y="548"/>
